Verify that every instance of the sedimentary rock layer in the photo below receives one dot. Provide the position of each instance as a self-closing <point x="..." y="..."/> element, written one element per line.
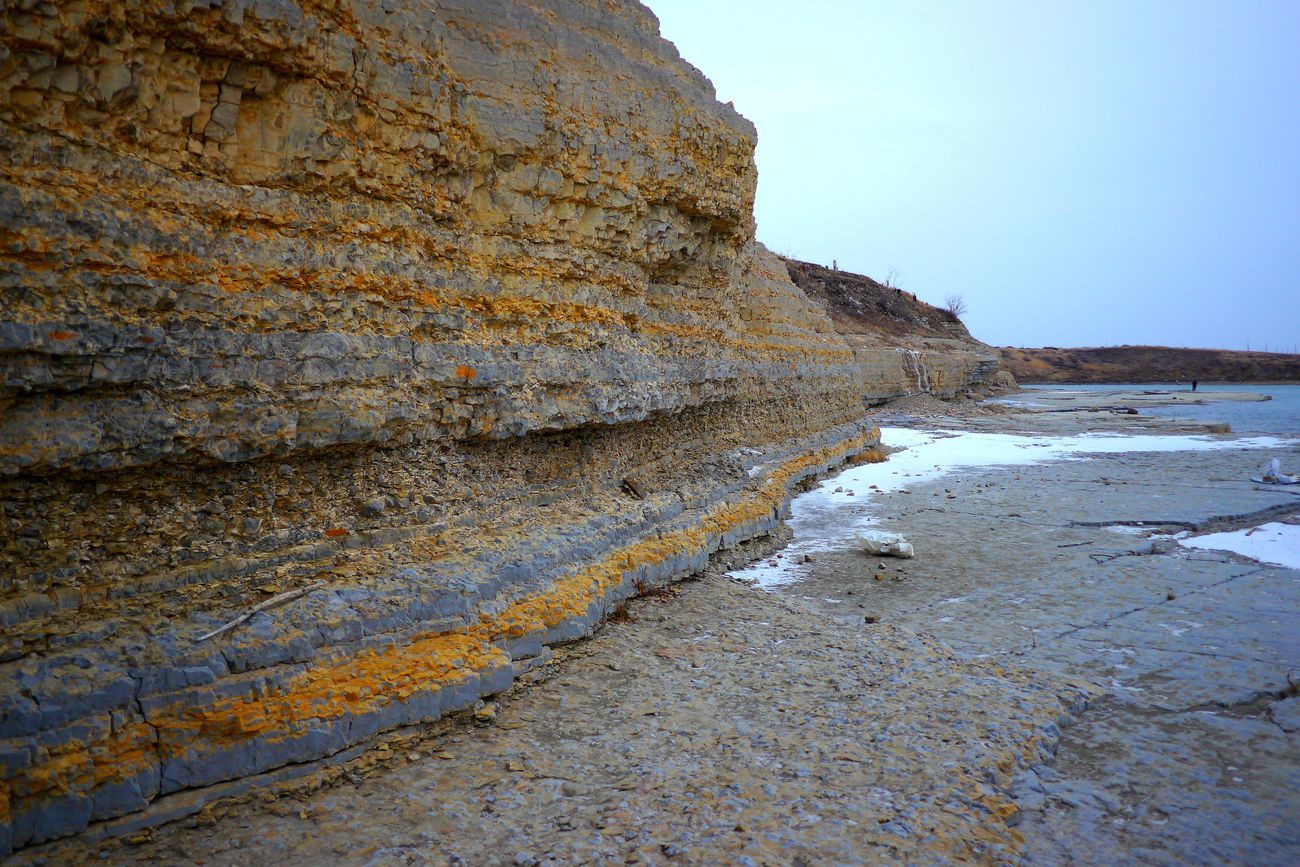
<point x="441" y="325"/>
<point x="907" y="345"/>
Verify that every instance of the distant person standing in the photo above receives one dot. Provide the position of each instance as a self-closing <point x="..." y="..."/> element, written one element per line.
<point x="1194" y="384"/>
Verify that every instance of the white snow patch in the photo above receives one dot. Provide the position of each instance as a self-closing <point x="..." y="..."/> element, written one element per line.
<point x="1127" y="530"/>
<point x="1278" y="544"/>
<point x="823" y="520"/>
<point x="1176" y="630"/>
<point x="1117" y="686"/>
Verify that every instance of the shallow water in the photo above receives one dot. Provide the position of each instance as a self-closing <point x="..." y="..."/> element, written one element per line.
<point x="1279" y="415"/>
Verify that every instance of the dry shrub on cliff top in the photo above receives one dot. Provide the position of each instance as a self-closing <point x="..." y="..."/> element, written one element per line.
<point x="955" y="304"/>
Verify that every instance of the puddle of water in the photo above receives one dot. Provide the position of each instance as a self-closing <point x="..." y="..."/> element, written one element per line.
<point x="830" y="517"/>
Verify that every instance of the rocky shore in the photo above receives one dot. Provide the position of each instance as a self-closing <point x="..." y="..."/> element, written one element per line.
<point x="1040" y="684"/>
<point x="357" y="360"/>
<point x="1129" y="401"/>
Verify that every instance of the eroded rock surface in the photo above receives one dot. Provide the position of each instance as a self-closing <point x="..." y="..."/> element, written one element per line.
<point x="723" y="726"/>
<point x="1188" y="753"/>
<point x="381" y="303"/>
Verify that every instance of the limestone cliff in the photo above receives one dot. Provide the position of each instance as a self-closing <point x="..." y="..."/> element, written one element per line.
<point x="368" y="309"/>
<point x="907" y="345"/>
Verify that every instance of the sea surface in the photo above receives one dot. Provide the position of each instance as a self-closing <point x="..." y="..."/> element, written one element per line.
<point x="1281" y="415"/>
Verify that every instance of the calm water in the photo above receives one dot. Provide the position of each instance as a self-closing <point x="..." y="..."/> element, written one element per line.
<point x="1279" y="415"/>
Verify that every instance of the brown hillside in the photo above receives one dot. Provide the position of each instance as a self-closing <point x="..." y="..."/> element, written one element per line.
<point x="1148" y="364"/>
<point x="859" y="305"/>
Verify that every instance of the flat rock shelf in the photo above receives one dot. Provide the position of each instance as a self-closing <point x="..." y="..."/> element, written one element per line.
<point x="1041" y="684"/>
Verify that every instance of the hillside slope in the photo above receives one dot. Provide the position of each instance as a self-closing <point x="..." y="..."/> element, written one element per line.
<point x="857" y="304"/>
<point x="1148" y="364"/>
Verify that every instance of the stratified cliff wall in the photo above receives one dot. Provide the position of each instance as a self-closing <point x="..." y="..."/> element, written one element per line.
<point x="370" y="309"/>
<point x="905" y="345"/>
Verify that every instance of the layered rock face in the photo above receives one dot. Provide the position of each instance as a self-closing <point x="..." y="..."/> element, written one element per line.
<point x="903" y="345"/>
<point x="366" y="313"/>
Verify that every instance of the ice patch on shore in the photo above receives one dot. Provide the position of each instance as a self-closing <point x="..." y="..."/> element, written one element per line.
<point x="1127" y="530"/>
<point x="830" y="517"/>
<point x="1178" y="627"/>
<point x="1278" y="544"/>
<point x="1149" y="531"/>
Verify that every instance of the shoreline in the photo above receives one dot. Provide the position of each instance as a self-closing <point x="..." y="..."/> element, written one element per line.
<point x="1005" y="572"/>
<point x="829" y="519"/>
<point x="1211" y="382"/>
<point x="771" y="776"/>
<point x="1254" y="409"/>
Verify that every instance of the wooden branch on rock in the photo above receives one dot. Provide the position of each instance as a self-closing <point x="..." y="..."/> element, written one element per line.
<point x="262" y="606"/>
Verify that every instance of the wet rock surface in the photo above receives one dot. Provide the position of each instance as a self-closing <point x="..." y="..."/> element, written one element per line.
<point x="713" y="724"/>
<point x="1189" y="754"/>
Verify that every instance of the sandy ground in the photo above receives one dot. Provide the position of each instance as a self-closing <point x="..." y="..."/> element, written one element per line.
<point x="928" y="710"/>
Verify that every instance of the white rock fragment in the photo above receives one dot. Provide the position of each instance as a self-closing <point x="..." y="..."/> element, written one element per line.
<point x="885" y="544"/>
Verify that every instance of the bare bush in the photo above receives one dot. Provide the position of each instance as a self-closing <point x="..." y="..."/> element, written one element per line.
<point x="956" y="305"/>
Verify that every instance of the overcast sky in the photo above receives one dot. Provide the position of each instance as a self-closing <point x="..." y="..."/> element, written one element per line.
<point x="1085" y="173"/>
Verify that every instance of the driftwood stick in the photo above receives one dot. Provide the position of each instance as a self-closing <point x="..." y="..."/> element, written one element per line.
<point x="279" y="599"/>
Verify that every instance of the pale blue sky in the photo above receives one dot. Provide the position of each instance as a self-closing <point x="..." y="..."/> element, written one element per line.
<point x="1085" y="173"/>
